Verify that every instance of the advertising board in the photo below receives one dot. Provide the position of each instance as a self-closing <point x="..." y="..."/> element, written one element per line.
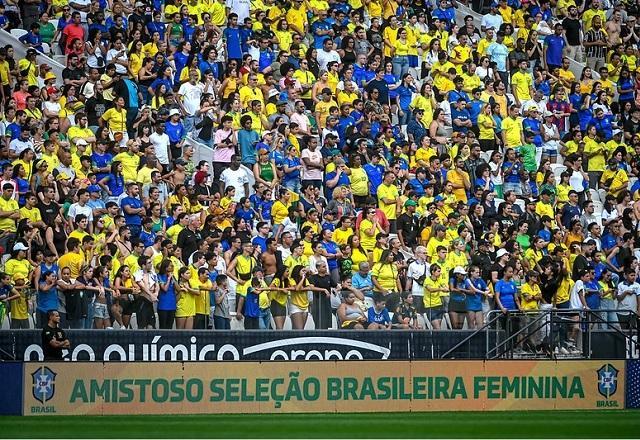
<point x="334" y="386"/>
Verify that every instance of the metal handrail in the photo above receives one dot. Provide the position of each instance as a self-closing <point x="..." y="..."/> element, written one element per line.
<point x="468" y="338"/>
<point x="544" y="314"/>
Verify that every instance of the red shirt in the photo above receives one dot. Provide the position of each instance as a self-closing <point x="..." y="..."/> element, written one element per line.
<point x="21" y="99"/>
<point x="72" y="31"/>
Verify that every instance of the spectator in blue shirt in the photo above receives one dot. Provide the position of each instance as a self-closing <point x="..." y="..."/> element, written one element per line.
<point x="267" y="57"/>
<point x="374" y="171"/>
<point x="233" y="38"/>
<point x="33" y="38"/>
<point x="378" y="314"/>
<point x="133" y="209"/>
<point x="321" y="30"/>
<point x="420" y="182"/>
<point x="446" y="13"/>
<point x="175" y="130"/>
<point x="457" y="93"/>
<point x="247" y="139"/>
<point x="553" y="47"/>
<point x="603" y="124"/>
<point x="416" y="130"/>
<point x="460" y="116"/>
<point x="157" y="25"/>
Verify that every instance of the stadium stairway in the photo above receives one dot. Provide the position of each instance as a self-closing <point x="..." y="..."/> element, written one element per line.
<point x="21" y="50"/>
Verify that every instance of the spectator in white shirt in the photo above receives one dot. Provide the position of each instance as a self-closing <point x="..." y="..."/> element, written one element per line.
<point x="628" y="297"/>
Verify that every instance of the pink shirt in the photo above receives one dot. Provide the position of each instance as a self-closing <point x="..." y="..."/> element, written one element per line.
<point x="222" y="154"/>
<point x="302" y="120"/>
<point x="314" y="157"/>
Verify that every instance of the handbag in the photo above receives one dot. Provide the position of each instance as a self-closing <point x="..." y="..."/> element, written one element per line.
<point x="25" y="72"/>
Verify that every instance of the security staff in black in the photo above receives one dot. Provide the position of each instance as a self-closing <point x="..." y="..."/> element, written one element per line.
<point x="54" y="339"/>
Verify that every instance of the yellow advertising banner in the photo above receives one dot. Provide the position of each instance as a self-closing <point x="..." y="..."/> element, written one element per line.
<point x="340" y="386"/>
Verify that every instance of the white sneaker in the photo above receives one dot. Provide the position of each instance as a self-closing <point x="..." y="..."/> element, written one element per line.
<point x="109" y="328"/>
<point x="564" y="350"/>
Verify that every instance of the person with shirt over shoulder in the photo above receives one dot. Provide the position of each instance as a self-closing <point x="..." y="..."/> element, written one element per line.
<point x="54" y="339"/>
<point x="628" y="297"/>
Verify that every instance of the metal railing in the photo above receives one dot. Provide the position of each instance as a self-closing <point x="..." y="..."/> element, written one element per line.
<point x="491" y="321"/>
<point x="554" y="326"/>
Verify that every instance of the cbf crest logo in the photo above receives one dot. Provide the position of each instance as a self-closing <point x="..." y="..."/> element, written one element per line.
<point x="607" y="380"/>
<point x="43" y="384"/>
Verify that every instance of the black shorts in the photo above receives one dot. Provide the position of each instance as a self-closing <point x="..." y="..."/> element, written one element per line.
<point x="200" y="321"/>
<point x="145" y="314"/>
<point x="278" y="309"/>
<point x="457" y="306"/>
<point x="128" y="307"/>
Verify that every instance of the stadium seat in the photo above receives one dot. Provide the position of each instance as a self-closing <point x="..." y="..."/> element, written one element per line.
<point x="46" y="49"/>
<point x="497" y="202"/>
<point x="18" y="32"/>
<point x="310" y="325"/>
<point x="54" y="22"/>
<point x="62" y="59"/>
<point x="603" y="195"/>
<point x="597" y="208"/>
<point x="368" y="302"/>
<point x="446" y="322"/>
<point x="427" y="323"/>
<point x="595" y="195"/>
<point x="521" y="204"/>
<point x="558" y="169"/>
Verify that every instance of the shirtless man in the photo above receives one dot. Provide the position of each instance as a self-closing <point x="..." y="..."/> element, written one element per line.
<point x="613" y="27"/>
<point x="124" y="242"/>
<point x="178" y="175"/>
<point x="269" y="260"/>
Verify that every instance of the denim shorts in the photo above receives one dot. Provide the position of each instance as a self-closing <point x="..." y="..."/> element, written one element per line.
<point x="100" y="311"/>
<point x="434" y="313"/>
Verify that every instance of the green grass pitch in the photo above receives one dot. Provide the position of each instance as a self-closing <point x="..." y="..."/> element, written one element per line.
<point x="514" y="424"/>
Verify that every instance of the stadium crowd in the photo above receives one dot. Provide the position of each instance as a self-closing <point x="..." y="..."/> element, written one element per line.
<point x="388" y="163"/>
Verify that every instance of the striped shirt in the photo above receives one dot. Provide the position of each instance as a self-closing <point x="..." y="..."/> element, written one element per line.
<point x="595" y="51"/>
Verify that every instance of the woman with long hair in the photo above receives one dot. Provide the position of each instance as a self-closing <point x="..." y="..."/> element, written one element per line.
<point x="626" y="87"/>
<point x="208" y="118"/>
<point x="384" y="275"/>
<point x="167" y="296"/>
<point x="438" y="129"/>
<point x="186" y="300"/>
<point x="125" y="289"/>
<point x="136" y="57"/>
<point x="347" y="51"/>
<point x="22" y="183"/>
<point x="113" y="183"/>
<point x="487" y="126"/>
<point x="283" y="35"/>
<point x="431" y="56"/>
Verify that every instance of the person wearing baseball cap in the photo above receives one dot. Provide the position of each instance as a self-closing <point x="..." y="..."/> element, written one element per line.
<point x="28" y="67"/>
<point x="458" y="286"/>
<point x="408" y="226"/>
<point x="614" y="179"/>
